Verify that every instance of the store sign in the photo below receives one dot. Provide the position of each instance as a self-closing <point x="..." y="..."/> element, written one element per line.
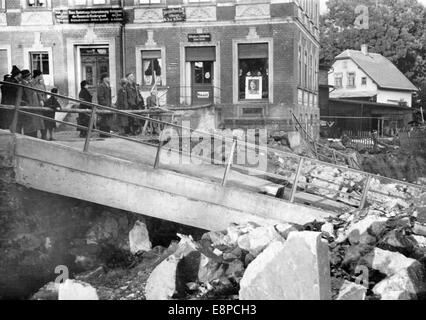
<point x="106" y="15"/>
<point x="199" y="37"/>
<point x="174" y="14"/>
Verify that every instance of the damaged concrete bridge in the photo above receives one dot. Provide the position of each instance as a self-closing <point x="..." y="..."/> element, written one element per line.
<point x="120" y="174"/>
<point x="168" y="192"/>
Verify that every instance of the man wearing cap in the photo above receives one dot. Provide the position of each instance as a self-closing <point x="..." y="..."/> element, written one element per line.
<point x="38" y="83"/>
<point x="8" y="96"/>
<point x="28" y="97"/>
<point x="134" y="102"/>
<point x="104" y="99"/>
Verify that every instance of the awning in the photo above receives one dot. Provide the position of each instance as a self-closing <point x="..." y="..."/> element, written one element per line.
<point x="151" y="54"/>
<point x="200" y="54"/>
<point x="253" y="51"/>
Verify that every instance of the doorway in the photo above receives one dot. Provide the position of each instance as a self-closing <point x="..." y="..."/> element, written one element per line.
<point x="94" y="61"/>
<point x="202" y="82"/>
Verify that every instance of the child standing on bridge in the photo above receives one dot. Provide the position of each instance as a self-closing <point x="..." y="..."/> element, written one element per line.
<point x="53" y="104"/>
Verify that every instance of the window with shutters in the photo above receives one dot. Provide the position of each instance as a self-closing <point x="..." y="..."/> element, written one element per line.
<point x="253" y="73"/>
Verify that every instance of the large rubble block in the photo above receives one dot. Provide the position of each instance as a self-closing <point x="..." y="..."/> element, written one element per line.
<point x="139" y="238"/>
<point x="298" y="269"/>
<point x="165" y="280"/>
<point x="76" y="290"/>
<point x="352" y="291"/>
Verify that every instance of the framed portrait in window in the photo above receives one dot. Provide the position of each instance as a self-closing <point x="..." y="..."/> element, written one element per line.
<point x="253" y="88"/>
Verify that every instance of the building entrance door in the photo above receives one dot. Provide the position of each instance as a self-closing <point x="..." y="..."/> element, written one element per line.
<point x="94" y="62"/>
<point x="202" y="82"/>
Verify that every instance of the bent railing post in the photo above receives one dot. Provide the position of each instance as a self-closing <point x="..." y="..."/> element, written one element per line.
<point x="296" y="179"/>
<point x="89" y="129"/>
<point x="14" y="124"/>
<point x="365" y="192"/>
<point x="229" y="164"/>
<point x="157" y="156"/>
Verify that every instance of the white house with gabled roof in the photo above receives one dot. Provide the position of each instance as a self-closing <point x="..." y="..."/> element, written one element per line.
<point x="362" y="75"/>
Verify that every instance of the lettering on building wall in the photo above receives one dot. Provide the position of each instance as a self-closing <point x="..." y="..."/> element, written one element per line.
<point x="174" y="14"/>
<point x="95" y="15"/>
<point x="199" y="37"/>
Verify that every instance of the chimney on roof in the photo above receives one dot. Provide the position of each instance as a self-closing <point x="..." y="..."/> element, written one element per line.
<point x="364" y="49"/>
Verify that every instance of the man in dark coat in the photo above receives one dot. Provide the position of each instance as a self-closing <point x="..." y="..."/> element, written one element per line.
<point x="104" y="99"/>
<point x="84" y="118"/>
<point x="134" y="101"/>
<point x="8" y="96"/>
<point x="122" y="121"/>
<point x="28" y="97"/>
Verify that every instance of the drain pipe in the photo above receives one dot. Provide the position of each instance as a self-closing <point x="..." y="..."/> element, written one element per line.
<point x="123" y="38"/>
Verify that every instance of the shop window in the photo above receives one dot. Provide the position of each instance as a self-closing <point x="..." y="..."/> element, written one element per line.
<point x="351" y="80"/>
<point x="151" y="67"/>
<point x="37" y="3"/>
<point x="253" y="71"/>
<point x="338" y="80"/>
<point x="40" y="61"/>
<point x="202" y="72"/>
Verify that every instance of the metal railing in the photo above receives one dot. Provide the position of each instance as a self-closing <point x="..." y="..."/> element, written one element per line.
<point x="321" y="151"/>
<point x="288" y="176"/>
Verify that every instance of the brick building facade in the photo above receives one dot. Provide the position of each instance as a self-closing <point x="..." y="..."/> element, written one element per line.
<point x="254" y="60"/>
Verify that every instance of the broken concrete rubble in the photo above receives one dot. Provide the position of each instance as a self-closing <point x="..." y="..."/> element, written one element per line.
<point x="362" y="231"/>
<point x="298" y="269"/>
<point x="139" y="238"/>
<point x="76" y="290"/>
<point x="389" y="263"/>
<point x="258" y="239"/>
<point x="352" y="291"/>
<point x="163" y="283"/>
<point x="407" y="282"/>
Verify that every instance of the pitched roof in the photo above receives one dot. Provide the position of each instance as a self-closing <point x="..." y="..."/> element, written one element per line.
<point x="383" y="72"/>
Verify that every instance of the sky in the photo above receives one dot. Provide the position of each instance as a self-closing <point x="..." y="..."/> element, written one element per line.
<point x="323" y="6"/>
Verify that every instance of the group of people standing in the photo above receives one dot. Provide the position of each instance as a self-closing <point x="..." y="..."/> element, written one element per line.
<point x="128" y="98"/>
<point x="20" y="96"/>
